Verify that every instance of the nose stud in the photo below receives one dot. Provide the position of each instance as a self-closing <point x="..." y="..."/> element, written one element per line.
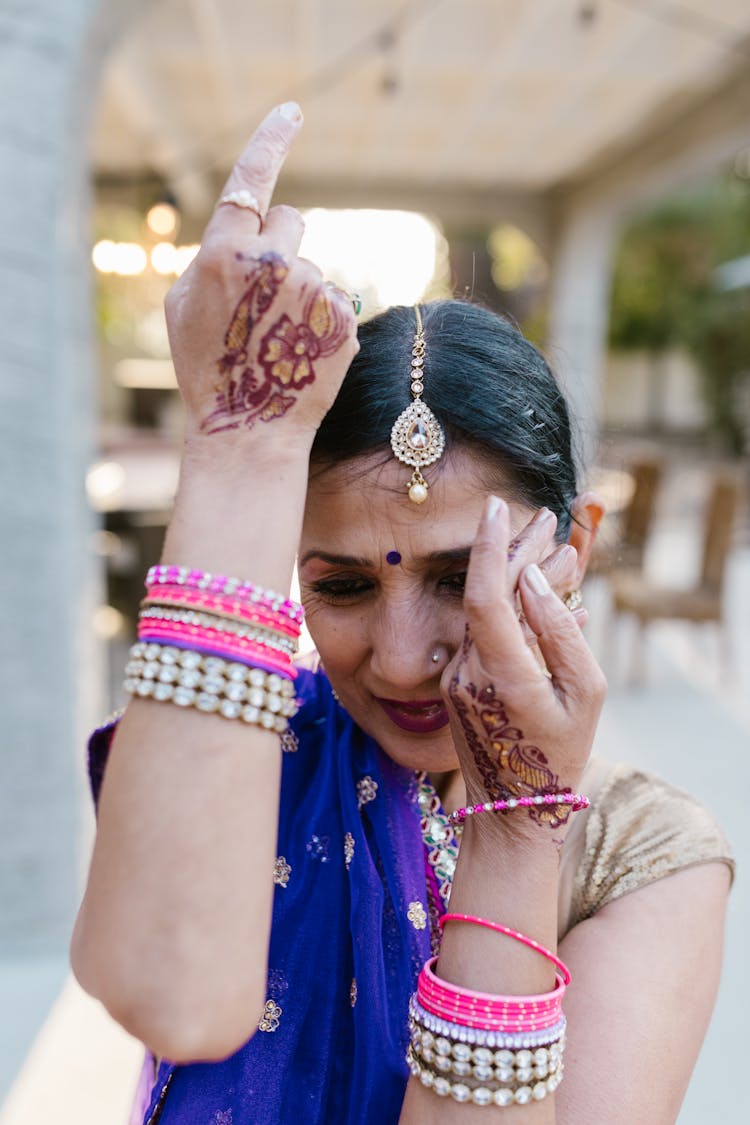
<point x="435" y="656"/>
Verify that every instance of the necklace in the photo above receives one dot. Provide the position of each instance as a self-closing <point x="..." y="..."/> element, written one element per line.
<point x="439" y="837"/>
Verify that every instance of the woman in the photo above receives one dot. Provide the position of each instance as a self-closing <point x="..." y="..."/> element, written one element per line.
<point x="431" y="497"/>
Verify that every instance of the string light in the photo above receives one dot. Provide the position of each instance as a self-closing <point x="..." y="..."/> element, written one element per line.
<point x="162" y="219"/>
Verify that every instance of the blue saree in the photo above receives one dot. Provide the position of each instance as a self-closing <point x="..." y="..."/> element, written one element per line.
<point x="350" y="932"/>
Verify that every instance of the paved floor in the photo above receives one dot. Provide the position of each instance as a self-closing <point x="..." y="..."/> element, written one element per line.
<point x="62" y="1060"/>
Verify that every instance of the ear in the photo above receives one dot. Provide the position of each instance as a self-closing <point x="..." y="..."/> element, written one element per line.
<point x="588" y="511"/>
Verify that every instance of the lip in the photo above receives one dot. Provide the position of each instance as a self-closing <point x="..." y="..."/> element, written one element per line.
<point x="418" y="716"/>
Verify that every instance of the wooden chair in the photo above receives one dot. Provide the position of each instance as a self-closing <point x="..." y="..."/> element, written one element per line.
<point x="625" y="547"/>
<point x="633" y="592"/>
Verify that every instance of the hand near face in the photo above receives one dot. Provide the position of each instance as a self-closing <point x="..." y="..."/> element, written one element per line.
<point x="258" y="339"/>
<point x="519" y="731"/>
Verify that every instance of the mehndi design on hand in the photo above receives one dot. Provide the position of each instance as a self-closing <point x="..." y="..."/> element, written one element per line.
<point x="253" y="387"/>
<point x="508" y="765"/>
<point x="240" y="397"/>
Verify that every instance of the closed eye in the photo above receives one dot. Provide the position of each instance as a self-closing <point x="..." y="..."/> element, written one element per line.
<point x="341" y="589"/>
<point x="454" y="583"/>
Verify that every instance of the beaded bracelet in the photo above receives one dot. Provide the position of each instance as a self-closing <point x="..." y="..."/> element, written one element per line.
<point x="221" y="584"/>
<point x="575" y="800"/>
<point x="230" y="689"/>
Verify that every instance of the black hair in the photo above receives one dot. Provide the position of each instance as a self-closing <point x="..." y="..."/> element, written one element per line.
<point x="490" y="388"/>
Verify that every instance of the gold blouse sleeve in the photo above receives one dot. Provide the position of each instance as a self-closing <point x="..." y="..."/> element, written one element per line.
<point x="639" y="829"/>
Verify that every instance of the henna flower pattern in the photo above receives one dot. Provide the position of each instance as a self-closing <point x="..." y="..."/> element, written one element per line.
<point x="240" y="397"/>
<point x="288" y="350"/>
<point x="508" y="765"/>
<point x="253" y="387"/>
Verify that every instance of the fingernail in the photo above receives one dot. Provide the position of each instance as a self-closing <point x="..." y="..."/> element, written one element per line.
<point x="291" y="111"/>
<point x="494" y="506"/>
<point x="535" y="578"/>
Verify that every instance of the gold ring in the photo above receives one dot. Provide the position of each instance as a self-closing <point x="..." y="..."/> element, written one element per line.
<point x="245" y="200"/>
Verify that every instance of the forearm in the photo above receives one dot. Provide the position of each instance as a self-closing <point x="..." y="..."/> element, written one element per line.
<point x="513" y="881"/>
<point x="174" y="929"/>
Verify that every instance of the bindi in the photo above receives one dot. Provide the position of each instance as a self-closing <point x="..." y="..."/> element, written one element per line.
<point x="393" y="558"/>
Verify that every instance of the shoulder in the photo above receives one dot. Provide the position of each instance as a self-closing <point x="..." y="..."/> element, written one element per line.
<point x="640" y="828"/>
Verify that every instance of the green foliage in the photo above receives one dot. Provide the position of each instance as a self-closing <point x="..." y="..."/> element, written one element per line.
<point x="663" y="292"/>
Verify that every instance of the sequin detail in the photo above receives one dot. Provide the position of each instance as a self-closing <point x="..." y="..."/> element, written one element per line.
<point x="367" y="790"/>
<point x="289" y="742"/>
<point x="223" y="1117"/>
<point x="416" y="915"/>
<point x="269" y="1021"/>
<point x="277" y="984"/>
<point x="281" y="871"/>
<point x="353" y="992"/>
<point x="348" y="850"/>
<point x="317" y="846"/>
<point x="441" y="845"/>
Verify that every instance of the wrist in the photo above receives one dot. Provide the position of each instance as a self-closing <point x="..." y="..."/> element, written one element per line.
<point x="522" y="843"/>
<point x="243" y="455"/>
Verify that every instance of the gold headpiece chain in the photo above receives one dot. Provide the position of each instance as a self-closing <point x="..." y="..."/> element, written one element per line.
<point x="417" y="438"/>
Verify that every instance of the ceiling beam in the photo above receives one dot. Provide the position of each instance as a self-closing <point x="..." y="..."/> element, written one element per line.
<point x="144" y="101"/>
<point x="679" y="146"/>
<point x="455" y="205"/>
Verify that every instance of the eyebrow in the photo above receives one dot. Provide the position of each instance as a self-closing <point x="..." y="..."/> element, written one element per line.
<point x="452" y="554"/>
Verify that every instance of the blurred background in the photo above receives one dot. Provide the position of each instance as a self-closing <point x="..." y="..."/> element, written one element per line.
<point x="583" y="166"/>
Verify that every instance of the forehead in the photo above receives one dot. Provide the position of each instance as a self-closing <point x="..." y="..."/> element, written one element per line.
<point x="362" y="508"/>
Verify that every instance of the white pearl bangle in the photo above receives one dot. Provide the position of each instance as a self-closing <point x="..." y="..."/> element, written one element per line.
<point x="212" y="685"/>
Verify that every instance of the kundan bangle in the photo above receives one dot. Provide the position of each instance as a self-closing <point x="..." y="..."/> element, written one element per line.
<point x="473" y="920"/>
<point x="482" y="1095"/>
<point x="452" y="1056"/>
<point x="576" y="801"/>
<point x="233" y="690"/>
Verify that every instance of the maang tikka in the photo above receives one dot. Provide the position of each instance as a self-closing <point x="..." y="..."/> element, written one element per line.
<point x="417" y="438"/>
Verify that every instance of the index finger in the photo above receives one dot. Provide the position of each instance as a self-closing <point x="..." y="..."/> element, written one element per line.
<point x="258" y="166"/>
<point x="491" y="616"/>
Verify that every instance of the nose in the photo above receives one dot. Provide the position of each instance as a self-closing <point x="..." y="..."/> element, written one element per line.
<point x="403" y="639"/>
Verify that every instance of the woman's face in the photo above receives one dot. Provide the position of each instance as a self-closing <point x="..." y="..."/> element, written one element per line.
<point x="382" y="583"/>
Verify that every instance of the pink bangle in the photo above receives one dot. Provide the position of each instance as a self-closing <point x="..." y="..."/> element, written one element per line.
<point x="242" y="630"/>
<point x="563" y="969"/>
<point x="221" y="584"/>
<point x="575" y="800"/>
<point x="487" y="1011"/>
<point x="215" y="643"/>
<point x="208" y="603"/>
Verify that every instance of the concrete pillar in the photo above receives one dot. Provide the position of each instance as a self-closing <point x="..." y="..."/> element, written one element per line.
<point x="579" y="312"/>
<point x="49" y="677"/>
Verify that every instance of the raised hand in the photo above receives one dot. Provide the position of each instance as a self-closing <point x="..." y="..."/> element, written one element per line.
<point x="521" y="727"/>
<point x="256" y="334"/>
